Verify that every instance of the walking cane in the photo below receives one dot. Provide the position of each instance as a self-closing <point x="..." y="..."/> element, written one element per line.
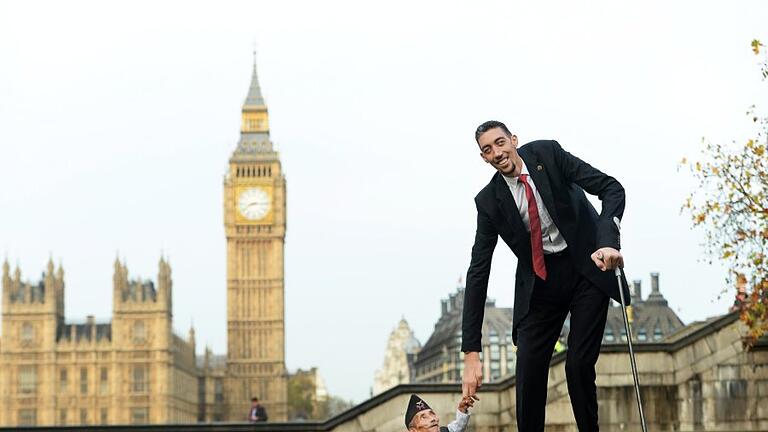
<point x="617" y="272"/>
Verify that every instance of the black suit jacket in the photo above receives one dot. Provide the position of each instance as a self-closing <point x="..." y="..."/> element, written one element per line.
<point x="561" y="180"/>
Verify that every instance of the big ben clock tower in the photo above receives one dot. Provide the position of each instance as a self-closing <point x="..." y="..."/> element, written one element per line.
<point x="254" y="222"/>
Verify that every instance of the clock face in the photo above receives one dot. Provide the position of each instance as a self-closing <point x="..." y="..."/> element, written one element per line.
<point x="253" y="203"/>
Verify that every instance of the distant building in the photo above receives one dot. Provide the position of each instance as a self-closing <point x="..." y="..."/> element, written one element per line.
<point x="134" y="369"/>
<point x="131" y="370"/>
<point x="441" y="359"/>
<point x="212" y="370"/>
<point x="651" y="319"/>
<point x="255" y="222"/>
<point x="399" y="357"/>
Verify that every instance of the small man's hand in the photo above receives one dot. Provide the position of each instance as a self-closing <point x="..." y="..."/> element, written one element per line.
<point x="473" y="375"/>
<point x="607" y="258"/>
<point x="465" y="404"/>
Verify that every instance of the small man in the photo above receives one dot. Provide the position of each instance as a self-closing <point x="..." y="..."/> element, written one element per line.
<point x="257" y="412"/>
<point x="419" y="417"/>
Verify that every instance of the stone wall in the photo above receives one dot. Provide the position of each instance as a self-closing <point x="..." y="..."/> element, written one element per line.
<point x="701" y="379"/>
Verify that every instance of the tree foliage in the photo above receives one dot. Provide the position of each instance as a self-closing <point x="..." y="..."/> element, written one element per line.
<point x="731" y="205"/>
<point x="304" y="403"/>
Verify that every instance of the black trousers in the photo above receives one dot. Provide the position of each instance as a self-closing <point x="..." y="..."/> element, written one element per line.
<point x="565" y="290"/>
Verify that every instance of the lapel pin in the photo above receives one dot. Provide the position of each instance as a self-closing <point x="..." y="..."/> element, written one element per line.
<point x="539" y="167"/>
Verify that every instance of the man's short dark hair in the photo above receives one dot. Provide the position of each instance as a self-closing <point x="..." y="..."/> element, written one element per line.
<point x="254" y="399"/>
<point x="490" y="124"/>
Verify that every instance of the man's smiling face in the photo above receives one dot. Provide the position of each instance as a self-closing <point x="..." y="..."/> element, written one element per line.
<point x="500" y="150"/>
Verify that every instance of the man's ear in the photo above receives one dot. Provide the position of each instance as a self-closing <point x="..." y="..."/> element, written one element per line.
<point x="484" y="160"/>
<point x="514" y="140"/>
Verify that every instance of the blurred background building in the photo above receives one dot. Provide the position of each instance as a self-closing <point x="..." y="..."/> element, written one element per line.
<point x="399" y="358"/>
<point x="440" y="360"/>
<point x="652" y="319"/>
<point x="133" y="369"/>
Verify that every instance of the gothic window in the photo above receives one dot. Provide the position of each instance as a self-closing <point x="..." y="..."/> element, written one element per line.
<point x="104" y="381"/>
<point x="83" y="380"/>
<point x="139" y="332"/>
<point x="27" y="333"/>
<point x="104" y="416"/>
<point x="62" y="417"/>
<point x="139" y="415"/>
<point x="218" y="390"/>
<point x="139" y="379"/>
<point x="642" y="336"/>
<point x="63" y="380"/>
<point x="83" y="416"/>
<point x="27" y="417"/>
<point x="27" y="379"/>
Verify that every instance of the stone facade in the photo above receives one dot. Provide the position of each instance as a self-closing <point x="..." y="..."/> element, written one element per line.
<point x="210" y="395"/>
<point x="254" y="225"/>
<point x="399" y="356"/>
<point x="133" y="369"/>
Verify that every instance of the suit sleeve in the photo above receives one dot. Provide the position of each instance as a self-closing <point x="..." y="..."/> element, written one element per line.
<point x="477" y="282"/>
<point x="593" y="181"/>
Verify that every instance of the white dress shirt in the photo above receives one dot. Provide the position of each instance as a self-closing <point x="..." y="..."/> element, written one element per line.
<point x="460" y="424"/>
<point x="552" y="240"/>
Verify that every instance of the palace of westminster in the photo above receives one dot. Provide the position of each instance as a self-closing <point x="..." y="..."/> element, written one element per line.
<point x="134" y="369"/>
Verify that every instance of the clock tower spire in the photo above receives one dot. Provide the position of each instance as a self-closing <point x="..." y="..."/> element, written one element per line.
<point x="254" y="224"/>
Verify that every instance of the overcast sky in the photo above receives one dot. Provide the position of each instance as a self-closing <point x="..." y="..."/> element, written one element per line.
<point x="117" y="121"/>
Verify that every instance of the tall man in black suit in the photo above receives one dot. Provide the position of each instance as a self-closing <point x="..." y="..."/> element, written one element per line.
<point x="536" y="203"/>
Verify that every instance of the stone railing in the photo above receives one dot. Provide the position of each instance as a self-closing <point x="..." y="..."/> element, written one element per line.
<point x="700" y="379"/>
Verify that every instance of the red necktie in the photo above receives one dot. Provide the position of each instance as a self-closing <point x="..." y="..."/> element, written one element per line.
<point x="537" y="248"/>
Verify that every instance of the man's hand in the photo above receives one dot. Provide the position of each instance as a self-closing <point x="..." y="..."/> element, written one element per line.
<point x="465" y="404"/>
<point x="607" y="258"/>
<point x="473" y="375"/>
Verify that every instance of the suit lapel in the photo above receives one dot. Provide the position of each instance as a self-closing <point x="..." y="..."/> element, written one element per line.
<point x="508" y="207"/>
<point x="538" y="172"/>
